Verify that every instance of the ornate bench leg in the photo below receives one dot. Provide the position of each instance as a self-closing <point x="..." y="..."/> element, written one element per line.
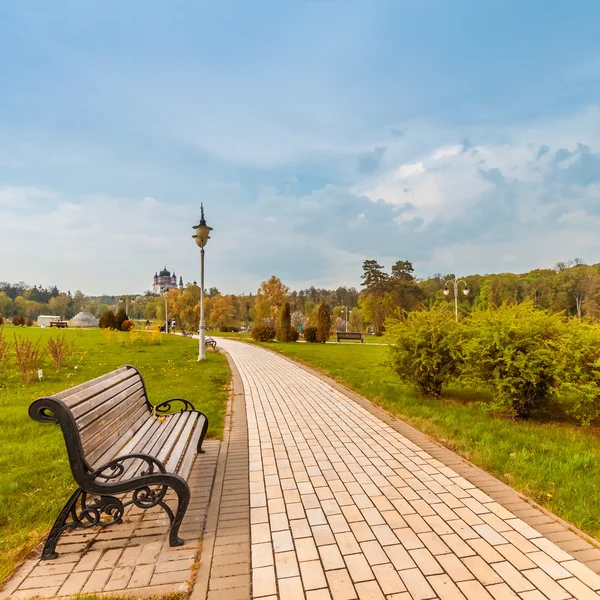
<point x="60" y="525"/>
<point x="202" y="436"/>
<point x="183" y="499"/>
<point x="87" y="514"/>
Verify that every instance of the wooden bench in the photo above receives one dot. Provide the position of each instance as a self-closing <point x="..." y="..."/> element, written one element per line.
<point x="349" y="335"/>
<point x="117" y="443"/>
<point x="185" y="333"/>
<point x="59" y="324"/>
<point x="210" y="342"/>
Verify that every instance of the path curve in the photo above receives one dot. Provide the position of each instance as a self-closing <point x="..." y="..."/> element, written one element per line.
<point x="344" y="506"/>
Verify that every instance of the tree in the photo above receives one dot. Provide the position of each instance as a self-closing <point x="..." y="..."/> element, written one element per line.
<point x="108" y="320"/>
<point x="573" y="283"/>
<point x="269" y="298"/>
<point x="222" y="312"/>
<point x="6" y="305"/>
<point x="285" y="331"/>
<point x="404" y="287"/>
<point x="356" y="320"/>
<point x="120" y="318"/>
<point x="374" y="278"/>
<point x="323" y="322"/>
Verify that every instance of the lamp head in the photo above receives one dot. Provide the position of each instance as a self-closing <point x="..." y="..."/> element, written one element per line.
<point x="466" y="291"/>
<point x="446" y="291"/>
<point x="202" y="230"/>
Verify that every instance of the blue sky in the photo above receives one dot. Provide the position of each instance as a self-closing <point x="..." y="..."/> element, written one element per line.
<point x="464" y="136"/>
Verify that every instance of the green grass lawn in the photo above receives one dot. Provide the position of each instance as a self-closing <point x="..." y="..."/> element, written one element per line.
<point x="550" y="459"/>
<point x="35" y="479"/>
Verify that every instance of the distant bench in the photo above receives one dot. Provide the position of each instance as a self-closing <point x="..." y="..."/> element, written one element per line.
<point x="210" y="342"/>
<point x="349" y="335"/>
<point x="118" y="442"/>
<point x="59" y="324"/>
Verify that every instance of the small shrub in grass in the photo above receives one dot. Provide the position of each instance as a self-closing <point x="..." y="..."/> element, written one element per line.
<point x="263" y="332"/>
<point x="29" y="322"/>
<point x="323" y="323"/>
<point x="28" y="357"/>
<point x="108" y="320"/>
<point x="514" y="351"/>
<point x="127" y="325"/>
<point x="4" y="351"/>
<point x="59" y="350"/>
<point x="1" y="320"/>
<point x="580" y="369"/>
<point x="310" y="335"/>
<point x="424" y="350"/>
<point x="18" y="321"/>
<point x="285" y="331"/>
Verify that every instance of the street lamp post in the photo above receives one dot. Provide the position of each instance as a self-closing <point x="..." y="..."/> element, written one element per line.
<point x="202" y="236"/>
<point x="456" y="282"/>
<point x="166" y="309"/>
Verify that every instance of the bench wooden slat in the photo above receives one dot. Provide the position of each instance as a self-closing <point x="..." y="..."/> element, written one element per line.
<point x="179" y="447"/>
<point x="188" y="459"/>
<point x="87" y="384"/>
<point x="88" y="405"/>
<point x="96" y="418"/>
<point x="82" y="392"/>
<point x="148" y="441"/>
<point x="106" y="449"/>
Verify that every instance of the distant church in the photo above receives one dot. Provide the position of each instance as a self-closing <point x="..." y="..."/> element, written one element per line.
<point x="165" y="281"/>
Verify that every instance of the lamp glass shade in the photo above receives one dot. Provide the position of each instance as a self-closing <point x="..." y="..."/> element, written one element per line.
<point x="446" y="291"/>
<point x="202" y="234"/>
<point x="466" y="291"/>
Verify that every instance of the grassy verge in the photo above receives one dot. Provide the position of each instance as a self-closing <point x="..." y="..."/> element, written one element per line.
<point x="551" y="460"/>
<point x="35" y="479"/>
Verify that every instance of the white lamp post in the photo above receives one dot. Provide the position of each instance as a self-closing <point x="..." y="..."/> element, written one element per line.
<point x="202" y="236"/>
<point x="166" y="309"/>
<point x="456" y="282"/>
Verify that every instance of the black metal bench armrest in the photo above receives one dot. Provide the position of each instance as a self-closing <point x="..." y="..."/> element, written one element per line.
<point x="116" y="466"/>
<point x="165" y="407"/>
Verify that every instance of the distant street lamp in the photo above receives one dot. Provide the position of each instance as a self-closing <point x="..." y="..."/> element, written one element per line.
<point x="166" y="308"/>
<point x="202" y="236"/>
<point x="456" y="283"/>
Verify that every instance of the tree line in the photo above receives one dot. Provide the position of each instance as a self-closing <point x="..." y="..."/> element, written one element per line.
<point x="570" y="287"/>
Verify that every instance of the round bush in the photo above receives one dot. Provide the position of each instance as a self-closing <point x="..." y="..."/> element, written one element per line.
<point x="264" y="333"/>
<point x="310" y="335"/>
<point x="127" y="325"/>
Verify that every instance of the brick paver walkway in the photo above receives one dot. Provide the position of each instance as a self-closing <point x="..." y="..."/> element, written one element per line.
<point x="342" y="505"/>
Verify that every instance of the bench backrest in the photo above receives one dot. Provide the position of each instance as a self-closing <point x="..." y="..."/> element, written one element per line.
<point x="107" y="410"/>
<point x="349" y="335"/>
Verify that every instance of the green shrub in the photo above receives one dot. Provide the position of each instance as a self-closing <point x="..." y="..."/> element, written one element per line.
<point x="424" y="349"/>
<point x="580" y="369"/>
<point x="18" y="321"/>
<point x="310" y="335"/>
<point x="285" y="331"/>
<point x="263" y="332"/>
<point x="323" y="323"/>
<point x="294" y="335"/>
<point x="127" y="325"/>
<point x="514" y="350"/>
<point x="120" y="318"/>
<point x="29" y="322"/>
<point x="107" y="320"/>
